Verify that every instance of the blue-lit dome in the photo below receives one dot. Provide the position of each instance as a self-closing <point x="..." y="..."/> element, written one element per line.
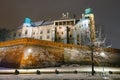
<point x="27" y="22"/>
<point x="88" y="11"/>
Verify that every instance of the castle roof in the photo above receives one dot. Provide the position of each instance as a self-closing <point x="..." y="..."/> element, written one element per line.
<point x="41" y="23"/>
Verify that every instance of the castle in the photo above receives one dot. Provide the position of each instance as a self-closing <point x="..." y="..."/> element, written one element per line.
<point x="52" y="43"/>
<point x="65" y="30"/>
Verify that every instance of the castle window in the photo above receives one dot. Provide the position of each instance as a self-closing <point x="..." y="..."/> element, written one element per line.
<point x="40" y="37"/>
<point x="78" y="36"/>
<point x="60" y="27"/>
<point x="64" y="23"/>
<point x="62" y="33"/>
<point x="75" y="28"/>
<point x="33" y="33"/>
<point x="57" y="32"/>
<point x="48" y="37"/>
<point x="60" y="23"/>
<point x="14" y="34"/>
<point x="19" y="34"/>
<point x="70" y="36"/>
<point x="26" y="32"/>
<point x="56" y="23"/>
<point x="59" y="37"/>
<point x="82" y="26"/>
<point x="41" y="32"/>
<point x="48" y="31"/>
<point x="71" y="23"/>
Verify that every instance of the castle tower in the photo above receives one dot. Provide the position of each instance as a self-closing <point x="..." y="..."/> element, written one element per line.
<point x="27" y="28"/>
<point x="85" y="28"/>
<point x="27" y="22"/>
<point x="64" y="30"/>
<point x="90" y="16"/>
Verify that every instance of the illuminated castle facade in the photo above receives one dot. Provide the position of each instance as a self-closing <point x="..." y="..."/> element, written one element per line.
<point x="65" y="30"/>
<point x="38" y="44"/>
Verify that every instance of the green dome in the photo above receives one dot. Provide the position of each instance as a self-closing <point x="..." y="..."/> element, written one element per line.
<point x="88" y="11"/>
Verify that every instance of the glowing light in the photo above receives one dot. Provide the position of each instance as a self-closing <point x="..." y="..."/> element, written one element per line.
<point x="27" y="20"/>
<point x="29" y="50"/>
<point x="102" y="54"/>
<point x="85" y="23"/>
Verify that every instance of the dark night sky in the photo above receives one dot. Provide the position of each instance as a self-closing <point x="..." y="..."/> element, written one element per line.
<point x="107" y="13"/>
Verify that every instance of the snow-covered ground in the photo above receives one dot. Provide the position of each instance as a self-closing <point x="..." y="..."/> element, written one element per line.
<point x="58" y="77"/>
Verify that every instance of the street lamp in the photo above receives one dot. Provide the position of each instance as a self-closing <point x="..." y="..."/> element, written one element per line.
<point x="102" y="54"/>
<point x="92" y="58"/>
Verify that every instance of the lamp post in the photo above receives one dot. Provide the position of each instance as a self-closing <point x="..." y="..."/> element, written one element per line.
<point x="92" y="59"/>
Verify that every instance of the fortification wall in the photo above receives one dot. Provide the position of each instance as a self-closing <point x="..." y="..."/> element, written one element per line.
<point x="10" y="56"/>
<point x="30" y="41"/>
<point x="32" y="53"/>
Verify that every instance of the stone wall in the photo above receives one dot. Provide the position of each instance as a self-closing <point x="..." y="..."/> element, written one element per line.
<point x="37" y="56"/>
<point x="83" y="57"/>
<point x="32" y="53"/>
<point x="11" y="56"/>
